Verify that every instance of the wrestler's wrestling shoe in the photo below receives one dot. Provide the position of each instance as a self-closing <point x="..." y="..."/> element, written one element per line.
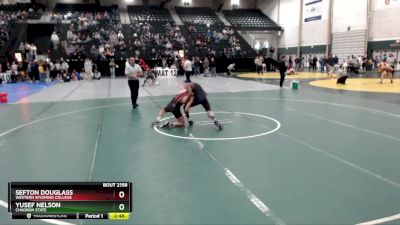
<point x="166" y="125"/>
<point x="219" y="125"/>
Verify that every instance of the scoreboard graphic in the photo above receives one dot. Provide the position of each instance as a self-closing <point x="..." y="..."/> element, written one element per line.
<point x="70" y="200"/>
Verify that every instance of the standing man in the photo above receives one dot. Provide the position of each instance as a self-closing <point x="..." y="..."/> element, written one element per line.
<point x="330" y="65"/>
<point x="213" y="67"/>
<point x="282" y="70"/>
<point x="258" y="62"/>
<point x="57" y="66"/>
<point x="42" y="72"/>
<point x="290" y="62"/>
<point x="64" y="66"/>
<point x="88" y="66"/>
<point x="133" y="72"/>
<point x="322" y="61"/>
<point x="187" y="67"/>
<point x="206" y="67"/>
<point x="112" y="66"/>
<point x="314" y="61"/>
<point x="310" y="64"/>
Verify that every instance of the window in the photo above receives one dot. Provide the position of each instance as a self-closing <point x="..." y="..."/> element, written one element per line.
<point x="235" y="3"/>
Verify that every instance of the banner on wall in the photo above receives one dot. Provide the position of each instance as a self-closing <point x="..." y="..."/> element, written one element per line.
<point x="312" y="10"/>
<point x="385" y="4"/>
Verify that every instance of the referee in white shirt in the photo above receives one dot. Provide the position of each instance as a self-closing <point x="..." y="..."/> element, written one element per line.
<point x="187" y="67"/>
<point x="133" y="72"/>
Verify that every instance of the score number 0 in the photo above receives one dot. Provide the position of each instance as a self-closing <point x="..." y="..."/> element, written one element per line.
<point x="121" y="194"/>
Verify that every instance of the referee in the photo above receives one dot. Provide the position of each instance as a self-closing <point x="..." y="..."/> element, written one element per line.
<point x="133" y="72"/>
<point x="187" y="67"/>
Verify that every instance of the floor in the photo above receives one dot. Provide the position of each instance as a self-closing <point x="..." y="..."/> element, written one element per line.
<point x="307" y="156"/>
<point x="367" y="82"/>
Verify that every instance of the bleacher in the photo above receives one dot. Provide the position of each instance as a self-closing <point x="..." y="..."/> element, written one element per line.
<point x="75" y="9"/>
<point x="203" y="26"/>
<point x="10" y="16"/>
<point x="4" y="34"/>
<point x="160" y="24"/>
<point x="7" y="36"/>
<point x="250" y="19"/>
<point x="149" y="14"/>
<point x="108" y="22"/>
<point x="199" y="15"/>
<point x="23" y="11"/>
<point x="208" y="29"/>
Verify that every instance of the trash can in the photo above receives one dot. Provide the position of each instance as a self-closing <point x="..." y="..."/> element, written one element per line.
<point x="3" y="97"/>
<point x="295" y="84"/>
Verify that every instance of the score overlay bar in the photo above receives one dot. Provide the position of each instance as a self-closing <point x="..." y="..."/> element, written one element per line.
<point x="70" y="200"/>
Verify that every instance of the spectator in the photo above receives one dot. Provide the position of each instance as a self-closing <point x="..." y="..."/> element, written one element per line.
<point x="330" y="65"/>
<point x="74" y="75"/>
<point x="57" y="68"/>
<point x="14" y="72"/>
<point x="88" y="67"/>
<point x="213" y="67"/>
<point x="322" y="63"/>
<point x="112" y="66"/>
<point x="196" y="63"/>
<point x="42" y="72"/>
<point x="314" y="63"/>
<point x="52" y="71"/>
<point x="258" y="62"/>
<point x="33" y="51"/>
<point x="97" y="74"/>
<point x="55" y="39"/>
<point x="64" y="67"/>
<point x="230" y="68"/>
<point x="206" y="67"/>
<point x="65" y="77"/>
<point x="94" y="52"/>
